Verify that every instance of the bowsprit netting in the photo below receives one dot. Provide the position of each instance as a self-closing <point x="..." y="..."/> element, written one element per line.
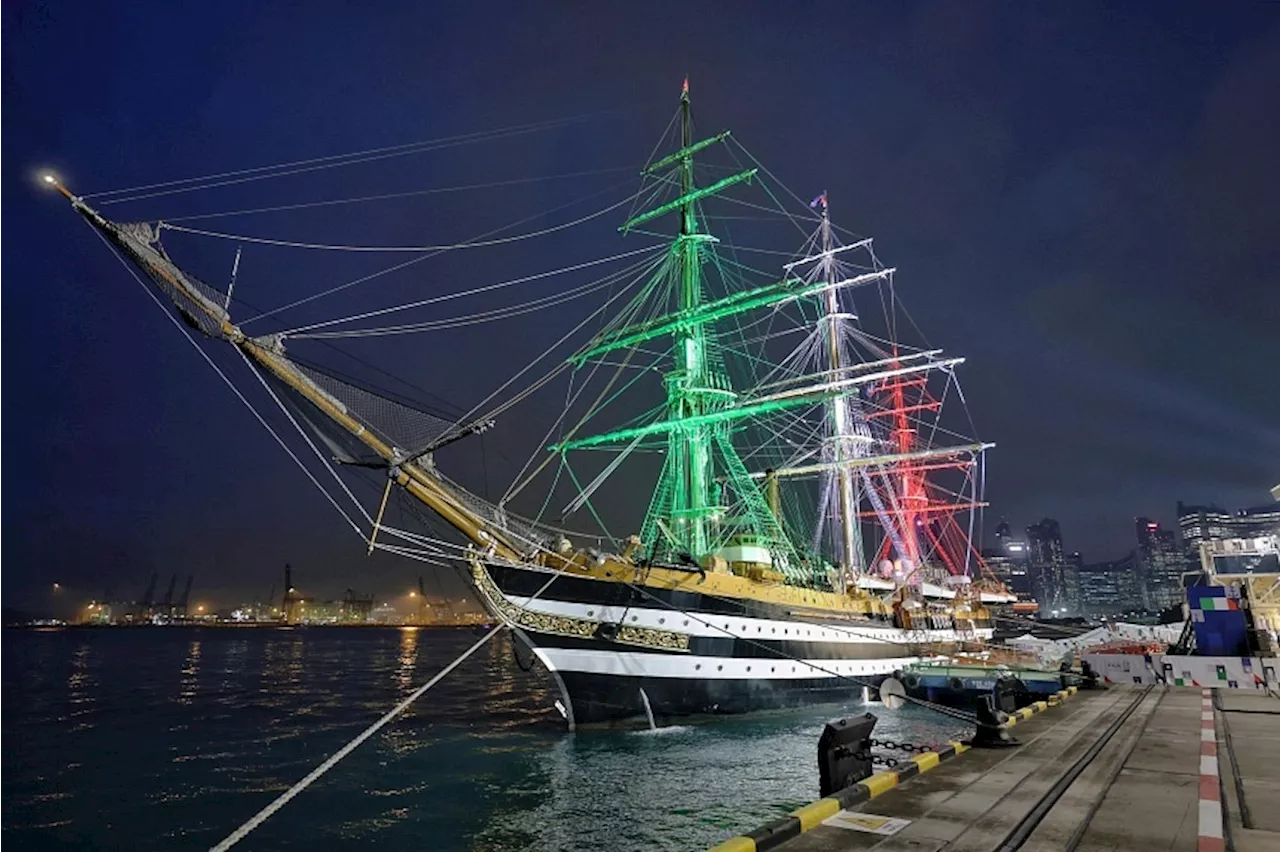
<point x="202" y="306"/>
<point x="411" y="431"/>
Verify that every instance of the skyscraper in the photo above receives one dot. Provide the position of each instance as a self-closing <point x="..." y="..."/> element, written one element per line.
<point x="1003" y="533"/>
<point x="1213" y="523"/>
<point x="1047" y="566"/>
<point x="1110" y="588"/>
<point x="1009" y="561"/>
<point x="1160" y="565"/>
<point x="1071" y="567"/>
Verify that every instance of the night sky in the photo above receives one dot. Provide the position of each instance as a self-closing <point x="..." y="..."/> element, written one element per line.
<point x="1083" y="200"/>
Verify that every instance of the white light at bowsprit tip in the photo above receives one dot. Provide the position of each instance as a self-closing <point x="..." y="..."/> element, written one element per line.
<point x="49" y="178"/>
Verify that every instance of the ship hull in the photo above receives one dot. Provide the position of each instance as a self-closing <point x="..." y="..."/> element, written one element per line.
<point x="611" y="646"/>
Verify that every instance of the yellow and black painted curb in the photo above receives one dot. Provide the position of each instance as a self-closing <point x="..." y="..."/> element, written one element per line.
<point x="1039" y="706"/>
<point x="809" y="817"/>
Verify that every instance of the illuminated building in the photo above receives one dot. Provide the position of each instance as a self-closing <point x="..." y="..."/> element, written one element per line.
<point x="1071" y="568"/>
<point x="1161" y="564"/>
<point x="1008" y="562"/>
<point x="1047" y="567"/>
<point x="1110" y="588"/>
<point x="1003" y="534"/>
<point x="1199" y="524"/>
<point x="385" y="613"/>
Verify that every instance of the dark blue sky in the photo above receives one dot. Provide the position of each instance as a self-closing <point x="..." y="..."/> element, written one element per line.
<point x="1081" y="199"/>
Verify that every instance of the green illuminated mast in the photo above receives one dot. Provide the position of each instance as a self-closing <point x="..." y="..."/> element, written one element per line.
<point x="687" y="385"/>
<point x="690" y="508"/>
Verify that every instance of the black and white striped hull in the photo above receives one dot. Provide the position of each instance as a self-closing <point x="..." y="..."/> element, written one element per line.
<point x="606" y="642"/>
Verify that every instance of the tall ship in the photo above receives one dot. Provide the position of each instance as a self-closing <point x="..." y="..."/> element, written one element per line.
<point x="810" y="503"/>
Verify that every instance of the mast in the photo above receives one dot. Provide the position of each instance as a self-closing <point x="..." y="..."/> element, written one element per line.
<point x="838" y="411"/>
<point x="690" y="447"/>
<point x="911" y="492"/>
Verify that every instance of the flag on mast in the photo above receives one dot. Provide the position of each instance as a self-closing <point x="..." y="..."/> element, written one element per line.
<point x="820" y="200"/>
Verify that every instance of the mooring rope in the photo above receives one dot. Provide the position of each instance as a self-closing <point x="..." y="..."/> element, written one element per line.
<point x="263" y="815"/>
<point x="283" y="799"/>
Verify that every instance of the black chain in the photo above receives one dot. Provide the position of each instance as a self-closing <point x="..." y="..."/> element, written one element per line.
<point x="877" y="759"/>
<point x="895" y="746"/>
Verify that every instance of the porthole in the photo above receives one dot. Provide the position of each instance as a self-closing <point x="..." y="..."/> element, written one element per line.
<point x="720" y="668"/>
<point x="748" y="668"/>
<point x="591" y="612"/>
<point x="662" y="621"/>
<point x="635" y="618"/>
<point x="697" y="667"/>
<point x="686" y="622"/>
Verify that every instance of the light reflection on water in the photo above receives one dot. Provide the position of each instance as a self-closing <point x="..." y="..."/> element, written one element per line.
<point x="190" y="674"/>
<point x="408" y="659"/>
<point x="168" y="739"/>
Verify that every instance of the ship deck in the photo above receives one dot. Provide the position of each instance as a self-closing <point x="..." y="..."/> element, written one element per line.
<point x="1117" y="769"/>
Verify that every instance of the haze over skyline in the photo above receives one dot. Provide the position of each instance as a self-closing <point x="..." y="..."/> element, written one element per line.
<point x="1080" y="200"/>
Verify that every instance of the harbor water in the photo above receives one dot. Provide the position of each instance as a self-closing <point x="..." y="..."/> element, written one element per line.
<point x="169" y="738"/>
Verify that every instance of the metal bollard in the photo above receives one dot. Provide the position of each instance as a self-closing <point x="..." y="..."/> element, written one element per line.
<point x="844" y="753"/>
<point x="990" y="720"/>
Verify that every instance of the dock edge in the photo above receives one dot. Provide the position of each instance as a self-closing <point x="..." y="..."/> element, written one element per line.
<point x="774" y="834"/>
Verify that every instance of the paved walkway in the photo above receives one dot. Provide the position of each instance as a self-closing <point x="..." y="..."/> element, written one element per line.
<point x="1248" y="736"/>
<point x="1114" y="770"/>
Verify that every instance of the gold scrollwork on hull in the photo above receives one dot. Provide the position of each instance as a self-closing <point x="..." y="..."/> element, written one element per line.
<point x="564" y="625"/>
<point x="651" y="638"/>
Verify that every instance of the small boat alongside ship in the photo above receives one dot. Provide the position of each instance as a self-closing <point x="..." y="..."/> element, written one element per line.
<point x="809" y="524"/>
<point x="961" y="685"/>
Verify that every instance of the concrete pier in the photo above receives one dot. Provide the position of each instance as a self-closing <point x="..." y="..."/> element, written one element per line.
<point x="1125" y="768"/>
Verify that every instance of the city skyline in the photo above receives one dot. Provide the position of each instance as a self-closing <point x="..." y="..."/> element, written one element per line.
<point x="1148" y="577"/>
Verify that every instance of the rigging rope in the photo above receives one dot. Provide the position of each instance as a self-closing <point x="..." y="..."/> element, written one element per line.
<point x="242" y="238"/>
<point x="439" y="545"/>
<point x="397" y="267"/>
<point x="477" y="318"/>
<point x="195" y="184"/>
<point x="300" y="330"/>
<point x="493" y="414"/>
<point x="222" y="375"/>
<point x="360" y="199"/>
